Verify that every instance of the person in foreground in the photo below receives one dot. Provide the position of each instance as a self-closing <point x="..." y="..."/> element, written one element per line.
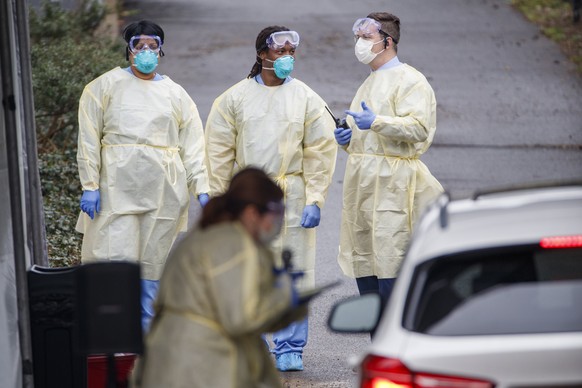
<point x="392" y="122"/>
<point x="276" y="122"/>
<point x="140" y="155"/>
<point x="219" y="292"/>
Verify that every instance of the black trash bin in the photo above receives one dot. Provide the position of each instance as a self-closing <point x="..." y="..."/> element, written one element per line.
<point x="109" y="321"/>
<point x="109" y="312"/>
<point x="57" y="363"/>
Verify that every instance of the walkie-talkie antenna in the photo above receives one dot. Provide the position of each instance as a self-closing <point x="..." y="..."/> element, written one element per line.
<point x="287" y="263"/>
<point x="337" y="122"/>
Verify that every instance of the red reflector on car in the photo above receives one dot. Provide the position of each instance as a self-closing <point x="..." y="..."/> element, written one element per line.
<point x="382" y="372"/>
<point x="422" y="380"/>
<point x="558" y="242"/>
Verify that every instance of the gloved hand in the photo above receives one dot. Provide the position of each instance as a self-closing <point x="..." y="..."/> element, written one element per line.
<point x="203" y="198"/>
<point x="363" y="119"/>
<point x="296" y="275"/>
<point x="311" y="216"/>
<point x="343" y="135"/>
<point x="91" y="202"/>
<point x="284" y="277"/>
<point x="294" y="296"/>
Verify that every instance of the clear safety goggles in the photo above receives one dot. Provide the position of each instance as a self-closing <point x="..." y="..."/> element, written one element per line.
<point x="141" y="43"/>
<point x="277" y="40"/>
<point x="366" y="27"/>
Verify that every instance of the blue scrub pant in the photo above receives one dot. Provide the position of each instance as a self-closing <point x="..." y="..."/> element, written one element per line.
<point x="149" y="291"/>
<point x="383" y="287"/>
<point x="293" y="338"/>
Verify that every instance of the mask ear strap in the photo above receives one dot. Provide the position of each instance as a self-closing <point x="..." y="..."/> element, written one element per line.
<point x="386" y="36"/>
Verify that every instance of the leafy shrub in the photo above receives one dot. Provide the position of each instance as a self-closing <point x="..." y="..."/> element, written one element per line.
<point x="66" y="54"/>
<point x="61" y="192"/>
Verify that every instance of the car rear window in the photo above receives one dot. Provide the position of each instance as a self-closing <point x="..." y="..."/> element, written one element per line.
<point x="502" y="291"/>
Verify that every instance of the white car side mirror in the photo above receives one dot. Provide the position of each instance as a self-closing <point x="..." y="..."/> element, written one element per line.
<point x="356" y="315"/>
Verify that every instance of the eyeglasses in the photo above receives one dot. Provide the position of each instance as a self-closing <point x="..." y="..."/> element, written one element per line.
<point x="141" y="43"/>
<point x="277" y="40"/>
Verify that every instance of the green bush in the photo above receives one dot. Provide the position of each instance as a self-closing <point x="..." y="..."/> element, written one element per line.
<point x="66" y="54"/>
<point x="61" y="193"/>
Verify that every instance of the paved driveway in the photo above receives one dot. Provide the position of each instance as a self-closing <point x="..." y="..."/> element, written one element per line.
<point x="509" y="103"/>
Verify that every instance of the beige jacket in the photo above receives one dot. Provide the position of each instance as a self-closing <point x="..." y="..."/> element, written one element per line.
<point x="218" y="294"/>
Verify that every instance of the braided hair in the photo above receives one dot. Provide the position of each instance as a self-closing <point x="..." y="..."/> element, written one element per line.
<point x="261" y="46"/>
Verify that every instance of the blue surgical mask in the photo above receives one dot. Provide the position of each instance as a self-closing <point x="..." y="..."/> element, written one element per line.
<point x="146" y="61"/>
<point x="283" y="66"/>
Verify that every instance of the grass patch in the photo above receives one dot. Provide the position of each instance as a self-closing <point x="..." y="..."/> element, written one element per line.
<point x="555" y="19"/>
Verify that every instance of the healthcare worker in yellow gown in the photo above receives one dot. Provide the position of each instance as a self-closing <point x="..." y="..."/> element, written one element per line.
<point x="140" y="155"/>
<point x="219" y="292"/>
<point x="392" y="122"/>
<point x="277" y="123"/>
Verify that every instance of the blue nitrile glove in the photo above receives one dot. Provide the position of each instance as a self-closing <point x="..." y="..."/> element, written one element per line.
<point x="311" y="216"/>
<point x="363" y="119"/>
<point x="296" y="275"/>
<point x="91" y="202"/>
<point x="343" y="135"/>
<point x="203" y="198"/>
<point x="294" y="296"/>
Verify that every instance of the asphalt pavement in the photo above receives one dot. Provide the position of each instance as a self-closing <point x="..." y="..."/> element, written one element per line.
<point x="509" y="104"/>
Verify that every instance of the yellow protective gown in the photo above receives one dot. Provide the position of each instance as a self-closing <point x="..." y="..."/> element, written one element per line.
<point x="286" y="131"/>
<point x="218" y="294"/>
<point x="141" y="143"/>
<point x="386" y="186"/>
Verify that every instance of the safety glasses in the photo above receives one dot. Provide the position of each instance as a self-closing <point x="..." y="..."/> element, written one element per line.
<point x="277" y="40"/>
<point x="141" y="43"/>
<point x="366" y="27"/>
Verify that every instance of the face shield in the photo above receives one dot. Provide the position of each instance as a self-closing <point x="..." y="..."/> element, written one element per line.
<point x="276" y="214"/>
<point x="276" y="207"/>
<point x="277" y="40"/>
<point x="140" y="43"/>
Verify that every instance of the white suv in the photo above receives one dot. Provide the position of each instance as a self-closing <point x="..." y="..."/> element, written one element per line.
<point x="489" y="295"/>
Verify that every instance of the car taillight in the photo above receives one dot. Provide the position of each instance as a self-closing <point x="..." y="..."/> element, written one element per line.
<point x="558" y="242"/>
<point x="382" y="372"/>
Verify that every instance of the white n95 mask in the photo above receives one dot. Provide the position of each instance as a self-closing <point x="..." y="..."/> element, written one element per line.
<point x="363" y="50"/>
